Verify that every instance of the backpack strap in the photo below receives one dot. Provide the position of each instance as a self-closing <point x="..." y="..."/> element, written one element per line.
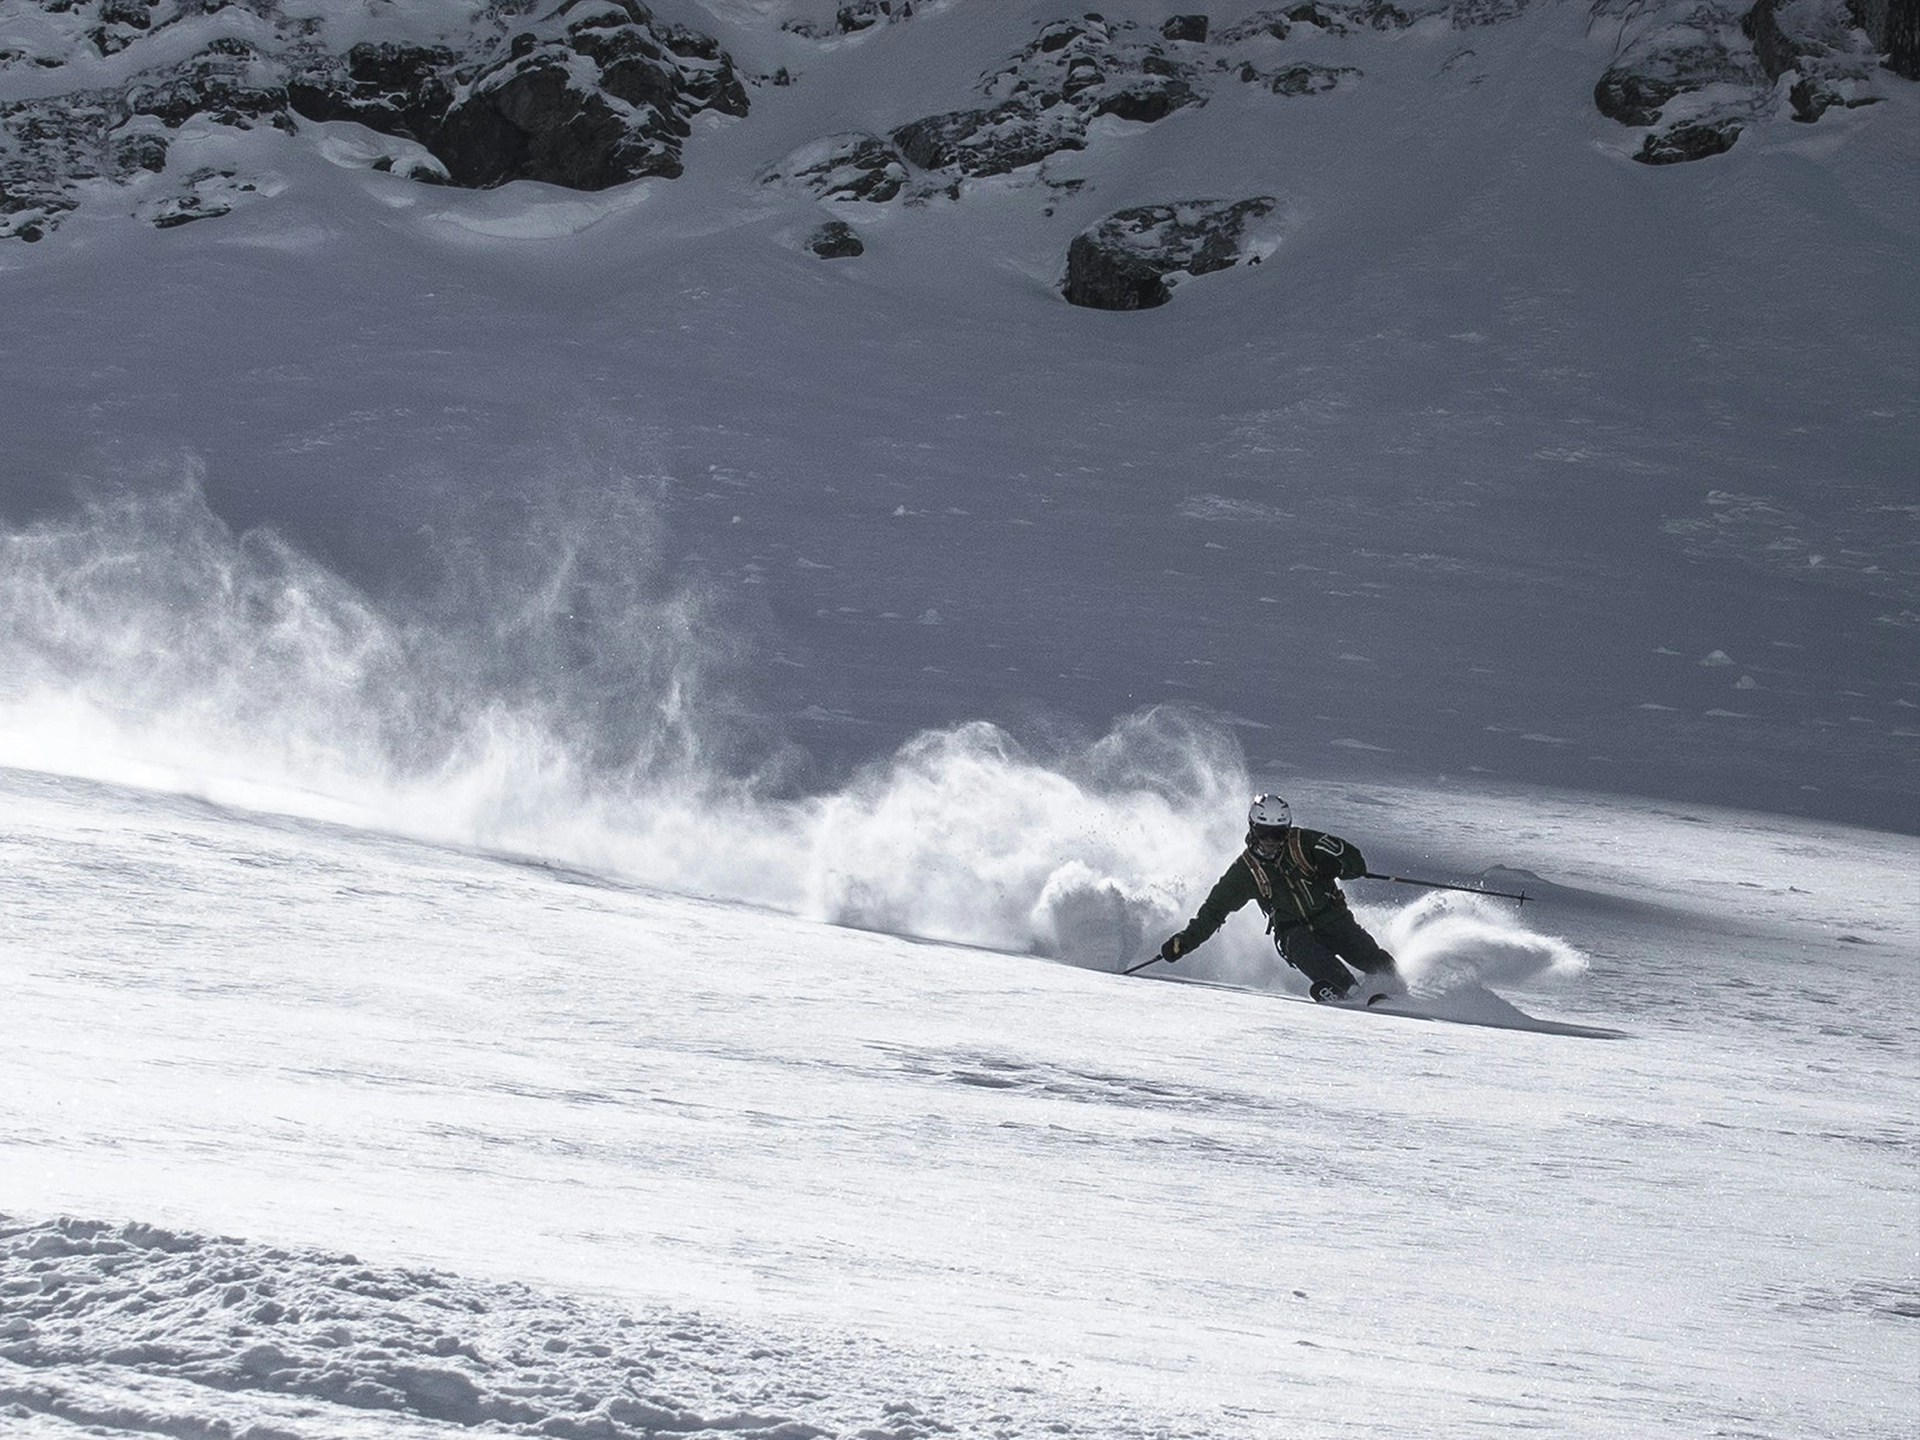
<point x="1298" y="850"/>
<point x="1262" y="882"/>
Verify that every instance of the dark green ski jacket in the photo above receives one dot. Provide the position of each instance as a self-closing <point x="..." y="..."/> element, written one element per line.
<point x="1289" y="888"/>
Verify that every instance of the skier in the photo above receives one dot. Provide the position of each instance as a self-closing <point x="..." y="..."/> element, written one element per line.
<point x="1294" y="874"/>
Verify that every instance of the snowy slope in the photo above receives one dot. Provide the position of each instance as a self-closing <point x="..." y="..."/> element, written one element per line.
<point x="607" y="1155"/>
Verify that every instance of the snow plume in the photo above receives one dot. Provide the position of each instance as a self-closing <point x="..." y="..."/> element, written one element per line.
<point x="551" y="701"/>
<point x="1449" y="944"/>
<point x="1084" y="856"/>
<point x="147" y="643"/>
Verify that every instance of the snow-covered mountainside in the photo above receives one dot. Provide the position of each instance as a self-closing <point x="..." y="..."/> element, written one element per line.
<point x="1513" y="460"/>
<point x="597" y="93"/>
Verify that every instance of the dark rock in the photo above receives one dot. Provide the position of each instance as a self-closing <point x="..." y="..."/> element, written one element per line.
<point x="1695" y="140"/>
<point x="1811" y="98"/>
<point x="1729" y="73"/>
<point x="1895" y="33"/>
<point x="1190" y="29"/>
<point x="29" y="210"/>
<point x="585" y="93"/>
<point x="134" y="13"/>
<point x="397" y="89"/>
<point x="1042" y="101"/>
<point x="844" y="167"/>
<point x="1820" y="44"/>
<point x="1386" y="18"/>
<point x="1635" y="89"/>
<point x="865" y="14"/>
<point x="1761" y="25"/>
<point x="1149" y="99"/>
<point x="1312" y="79"/>
<point x="989" y="142"/>
<point x="208" y="195"/>
<point x="835" y="240"/>
<point x="1474" y="14"/>
<point x="140" y="151"/>
<point x="1270" y="24"/>
<point x="537" y="114"/>
<point x="185" y="212"/>
<point x="532" y="118"/>
<point x="227" y="83"/>
<point x="1335" y="17"/>
<point x="1321" y="17"/>
<point x="851" y="19"/>
<point x="1123" y="263"/>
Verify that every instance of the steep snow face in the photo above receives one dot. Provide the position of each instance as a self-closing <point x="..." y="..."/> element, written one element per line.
<point x="1512" y="462"/>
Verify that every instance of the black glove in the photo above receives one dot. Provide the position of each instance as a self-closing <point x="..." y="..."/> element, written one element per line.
<point x="1172" y="950"/>
<point x="1327" y="868"/>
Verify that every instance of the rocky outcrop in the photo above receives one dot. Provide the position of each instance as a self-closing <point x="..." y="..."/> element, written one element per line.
<point x="836" y="240"/>
<point x="1702" y="77"/>
<point x="1311" y="79"/>
<point x="1690" y="140"/>
<point x="1475" y="14"/>
<point x="1043" y="100"/>
<point x="596" y="94"/>
<point x="1330" y="17"/>
<point x="50" y="147"/>
<point x="395" y="87"/>
<point x="856" y="166"/>
<point x="1819" y="44"/>
<point x="996" y="141"/>
<point x="1674" y="61"/>
<point x="1893" y="29"/>
<point x="1128" y="260"/>
<point x="851" y="19"/>
<point x="586" y="94"/>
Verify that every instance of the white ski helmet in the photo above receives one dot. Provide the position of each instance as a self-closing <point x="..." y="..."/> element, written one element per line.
<point x="1268" y="812"/>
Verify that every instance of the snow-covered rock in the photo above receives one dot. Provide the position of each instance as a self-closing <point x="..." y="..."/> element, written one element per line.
<point x="1044" y="99"/>
<point x="1127" y="260"/>
<point x="836" y="240"/>
<point x="1698" y="76"/>
<point x="596" y="94"/>
<point x="856" y="166"/>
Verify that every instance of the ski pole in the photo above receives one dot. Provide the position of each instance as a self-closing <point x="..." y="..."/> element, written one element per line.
<point x="1442" y="885"/>
<point x="1131" y="969"/>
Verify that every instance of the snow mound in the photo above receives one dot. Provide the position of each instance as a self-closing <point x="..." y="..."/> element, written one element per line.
<point x="133" y="1329"/>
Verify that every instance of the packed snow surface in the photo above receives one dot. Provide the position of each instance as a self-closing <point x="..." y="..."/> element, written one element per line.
<point x="577" y="779"/>
<point x="618" y="1162"/>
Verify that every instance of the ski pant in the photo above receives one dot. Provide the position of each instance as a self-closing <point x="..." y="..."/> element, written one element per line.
<point x="1316" y="947"/>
